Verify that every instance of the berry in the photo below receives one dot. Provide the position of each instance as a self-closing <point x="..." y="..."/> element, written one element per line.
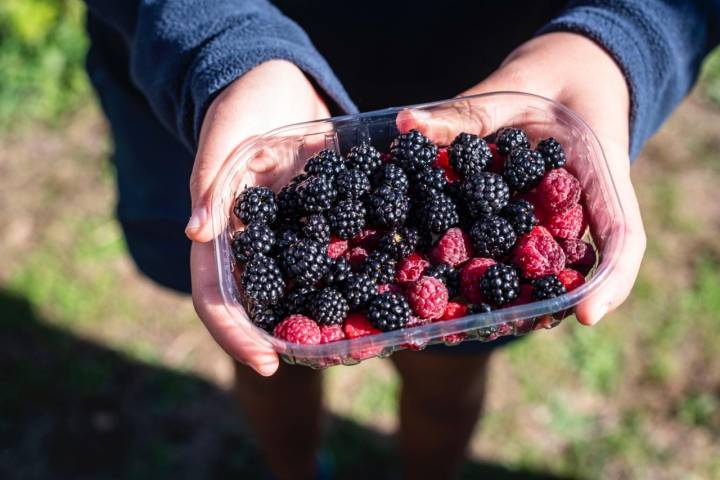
<point x="578" y="254"/>
<point x="331" y="333"/>
<point x="500" y="284"/>
<point x="338" y="273"/>
<point x="448" y="275"/>
<point x="347" y="218"/>
<point x="316" y="194"/>
<point x="453" y="248"/>
<point x="428" y="297"/>
<point x="380" y="266"/>
<point x="479" y="308"/>
<point x="337" y="247"/>
<point x="325" y="162"/>
<point x="392" y="176"/>
<point x="359" y="290"/>
<point x="437" y="213"/>
<point x="352" y="184"/>
<point x="389" y="287"/>
<point x="256" y="204"/>
<point x="454" y="310"/>
<point x="364" y="157"/>
<point x="470" y="277"/>
<point x="469" y="154"/>
<point x="316" y="228"/>
<point x="552" y="153"/>
<point x="524" y="169"/>
<point x="571" y="279"/>
<point x="399" y="242"/>
<point x="524" y="297"/>
<point x="547" y="287"/>
<point x="508" y="139"/>
<point x="558" y="191"/>
<point x="413" y="150"/>
<point x="568" y="224"/>
<point x="288" y="199"/>
<point x="357" y="325"/>
<point x="329" y="307"/>
<point x="287" y="234"/>
<point x="262" y="281"/>
<point x="521" y="215"/>
<point x="298" y="329"/>
<point x="443" y="161"/>
<point x="498" y="161"/>
<point x="306" y="262"/>
<point x="484" y="193"/>
<point x="256" y="238"/>
<point x="493" y="236"/>
<point x="368" y="238"/>
<point x="356" y="257"/>
<point x="297" y="300"/>
<point x="387" y="207"/>
<point x="411" y="268"/>
<point x="266" y="318"/>
<point x="388" y="311"/>
<point x="538" y="255"/>
<point x="429" y="181"/>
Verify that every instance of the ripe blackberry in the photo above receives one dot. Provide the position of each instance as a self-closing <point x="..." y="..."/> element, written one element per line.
<point x="359" y="290"/>
<point x="266" y="318"/>
<point x="387" y="207"/>
<point x="508" y="139"/>
<point x="521" y="215"/>
<point x="262" y="280"/>
<point x="500" y="284"/>
<point x="469" y="154"/>
<point x="389" y="311"/>
<point x="256" y="238"/>
<point x="448" y="275"/>
<point x="329" y="307"/>
<point x="380" y="266"/>
<point x="347" y="218"/>
<point x="338" y="273"/>
<point x="552" y="152"/>
<point x="429" y="181"/>
<point x="287" y="234"/>
<point x="524" y="169"/>
<point x="297" y="301"/>
<point x="392" y="176"/>
<point x="317" y="228"/>
<point x="413" y="150"/>
<point x="288" y="199"/>
<point x="325" y="162"/>
<point x="484" y="193"/>
<point x="306" y="262"/>
<point x="316" y="193"/>
<point x="546" y="287"/>
<point x="256" y="204"/>
<point x="480" y="308"/>
<point x="492" y="237"/>
<point x="352" y="184"/>
<point x="437" y="214"/>
<point x="364" y="157"/>
<point x="399" y="242"/>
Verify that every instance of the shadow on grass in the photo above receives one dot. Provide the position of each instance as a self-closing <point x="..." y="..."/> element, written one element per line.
<point x="70" y="408"/>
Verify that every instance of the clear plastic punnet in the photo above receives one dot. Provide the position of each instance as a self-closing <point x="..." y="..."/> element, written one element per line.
<point x="288" y="148"/>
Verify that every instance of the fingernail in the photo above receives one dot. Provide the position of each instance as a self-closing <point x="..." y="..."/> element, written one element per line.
<point x="265" y="369"/>
<point x="197" y="220"/>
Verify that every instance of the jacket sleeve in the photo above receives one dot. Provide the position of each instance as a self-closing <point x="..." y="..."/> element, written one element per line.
<point x="658" y="44"/>
<point x="184" y="52"/>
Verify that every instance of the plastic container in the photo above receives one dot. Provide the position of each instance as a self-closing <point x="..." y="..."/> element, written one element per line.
<point x="291" y="146"/>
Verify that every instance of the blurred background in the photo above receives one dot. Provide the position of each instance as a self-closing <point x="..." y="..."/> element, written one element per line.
<point x="104" y="375"/>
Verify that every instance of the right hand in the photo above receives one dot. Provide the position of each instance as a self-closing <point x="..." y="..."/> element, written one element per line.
<point x="271" y="95"/>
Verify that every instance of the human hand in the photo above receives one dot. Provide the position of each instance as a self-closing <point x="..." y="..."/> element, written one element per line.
<point x="271" y="95"/>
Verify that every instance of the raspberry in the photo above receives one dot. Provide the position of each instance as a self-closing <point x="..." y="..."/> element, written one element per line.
<point x="390" y="175"/>
<point x="470" y="277"/>
<point x="500" y="284"/>
<point x="256" y="204"/>
<point x="492" y="236"/>
<point x="387" y="207"/>
<point x="448" y="275"/>
<point x="443" y="161"/>
<point x="469" y="154"/>
<point x="411" y="268"/>
<point x="316" y="194"/>
<point x="547" y="287"/>
<point x="364" y="157"/>
<point x="571" y="279"/>
<point x="558" y="191"/>
<point x="538" y="255"/>
<point x="578" y="254"/>
<point x="262" y="281"/>
<point x="352" y="184"/>
<point x="428" y="297"/>
<point x="329" y="307"/>
<point x="356" y="257"/>
<point x="316" y="228"/>
<point x="524" y="297"/>
<point x="508" y="139"/>
<point x="367" y="238"/>
<point x="399" y="242"/>
<point x="337" y="247"/>
<point x="256" y="238"/>
<point x="538" y="231"/>
<point x="331" y="333"/>
<point x="453" y="248"/>
<point x="413" y="150"/>
<point x="568" y="224"/>
<point x="523" y="169"/>
<point x="388" y="311"/>
<point x="347" y="218"/>
<point x="454" y="310"/>
<point x="357" y="325"/>
<point x="389" y="287"/>
<point x="298" y="329"/>
<point x="485" y="193"/>
<point x="437" y="213"/>
<point x="326" y="162"/>
<point x="552" y="153"/>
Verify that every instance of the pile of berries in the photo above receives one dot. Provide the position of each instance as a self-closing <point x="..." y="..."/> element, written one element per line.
<point x="371" y="242"/>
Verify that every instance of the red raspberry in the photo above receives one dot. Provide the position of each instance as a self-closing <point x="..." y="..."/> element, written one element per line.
<point x="470" y="277"/>
<point x="428" y="297"/>
<point x="498" y="162"/>
<point x="385" y="157"/>
<point x="568" y="224"/>
<point x="524" y="297"/>
<point x="411" y="268"/>
<point x="337" y="247"/>
<point x="454" y="248"/>
<point x="367" y="238"/>
<point x="357" y="325"/>
<point x="331" y="333"/>
<point x="539" y="255"/>
<point x="454" y="310"/>
<point x="578" y="254"/>
<point x="356" y="256"/>
<point x="389" y="287"/>
<point x="558" y="191"/>
<point x="443" y="161"/>
<point x="298" y="329"/>
<point x="571" y="279"/>
<point x="538" y="231"/>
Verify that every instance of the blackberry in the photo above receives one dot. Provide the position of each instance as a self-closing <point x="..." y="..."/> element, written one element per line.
<point x="325" y="162"/>
<point x="492" y="237"/>
<point x="380" y="266"/>
<point x="288" y="199"/>
<point x="399" y="242"/>
<point x="392" y="176"/>
<point x="364" y="157"/>
<point x="317" y="228"/>
<point x="508" y="139"/>
<point x="479" y="308"/>
<point x="546" y="287"/>
<point x="262" y="280"/>
<point x="388" y="311"/>
<point x="552" y="152"/>
<point x="413" y="150"/>
<point x="448" y="275"/>
<point x="306" y="262"/>
<point x="347" y="218"/>
<point x="266" y="318"/>
<point x="287" y="234"/>
<point x="484" y="193"/>
<point x="338" y="273"/>
<point x="387" y="207"/>
<point x="256" y="204"/>
<point x="352" y="184"/>
<point x="256" y="238"/>
<point x="524" y="169"/>
<point x="317" y="194"/>
<point x="429" y="181"/>
<point x="500" y="284"/>
<point x="297" y="301"/>
<point x="359" y="290"/>
<point x="437" y="214"/>
<point x="329" y="307"/>
<point x="521" y="215"/>
<point x="469" y="154"/>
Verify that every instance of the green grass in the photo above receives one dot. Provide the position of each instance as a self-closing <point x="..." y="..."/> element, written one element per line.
<point x="710" y="76"/>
